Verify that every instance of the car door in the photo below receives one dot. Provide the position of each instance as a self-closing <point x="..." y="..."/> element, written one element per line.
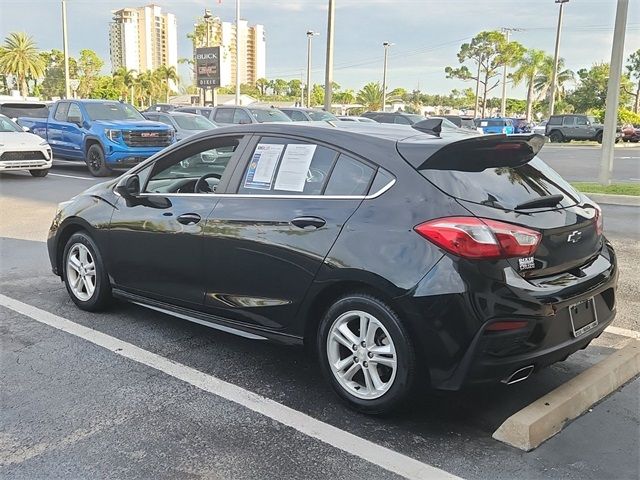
<point x="73" y="131"/>
<point x="55" y="130"/>
<point x="266" y="240"/>
<point x="584" y="128"/>
<point x="569" y="127"/>
<point x="223" y="116"/>
<point x="155" y="243"/>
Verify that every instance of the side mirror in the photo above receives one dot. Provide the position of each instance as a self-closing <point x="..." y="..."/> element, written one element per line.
<point x="76" y="120"/>
<point x="26" y="129"/>
<point x="128" y="187"/>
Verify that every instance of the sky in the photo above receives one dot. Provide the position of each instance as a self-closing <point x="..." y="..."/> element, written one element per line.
<point x="426" y="34"/>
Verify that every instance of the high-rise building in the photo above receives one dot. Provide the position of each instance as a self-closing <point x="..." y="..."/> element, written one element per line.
<point x="252" y="49"/>
<point x="143" y="39"/>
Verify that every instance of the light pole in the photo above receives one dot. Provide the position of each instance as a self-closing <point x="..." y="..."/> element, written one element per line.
<point x="328" y="74"/>
<point x="613" y="93"/>
<point x="207" y="22"/>
<point x="237" y="52"/>
<point x="503" y="105"/>
<point x="386" y="46"/>
<point x="65" y="48"/>
<point x="310" y="35"/>
<point x="554" y="76"/>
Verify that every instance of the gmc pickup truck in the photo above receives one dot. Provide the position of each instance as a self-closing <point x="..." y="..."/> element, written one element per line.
<point x="105" y="134"/>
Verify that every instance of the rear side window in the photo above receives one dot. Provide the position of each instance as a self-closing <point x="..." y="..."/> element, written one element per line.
<point x="555" y="121"/>
<point x="281" y="166"/>
<point x="15" y="110"/>
<point x="224" y="115"/>
<point x="569" y="121"/>
<point x="241" y="117"/>
<point x="349" y="177"/>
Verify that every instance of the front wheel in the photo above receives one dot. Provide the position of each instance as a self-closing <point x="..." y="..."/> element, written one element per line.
<point x="556" y="137"/>
<point x="366" y="354"/>
<point x="96" y="161"/>
<point x="85" y="275"/>
<point x="39" y="173"/>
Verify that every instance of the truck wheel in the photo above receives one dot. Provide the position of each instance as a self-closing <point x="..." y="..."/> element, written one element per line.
<point x="556" y="137"/>
<point x="39" y="173"/>
<point x="96" y="163"/>
<point x="599" y="137"/>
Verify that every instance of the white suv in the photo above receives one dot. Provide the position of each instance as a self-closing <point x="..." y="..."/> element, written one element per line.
<point x="21" y="150"/>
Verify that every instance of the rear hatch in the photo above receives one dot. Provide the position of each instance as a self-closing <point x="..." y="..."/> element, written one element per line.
<point x="499" y="178"/>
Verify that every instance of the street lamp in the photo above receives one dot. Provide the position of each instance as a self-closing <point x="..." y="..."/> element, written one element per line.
<point x="554" y="76"/>
<point x="328" y="70"/>
<point x="65" y="48"/>
<point x="207" y="21"/>
<point x="503" y="105"/>
<point x="310" y="35"/>
<point x="386" y="46"/>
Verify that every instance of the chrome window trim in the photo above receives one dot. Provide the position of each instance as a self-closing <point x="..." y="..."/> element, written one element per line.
<point x="281" y="197"/>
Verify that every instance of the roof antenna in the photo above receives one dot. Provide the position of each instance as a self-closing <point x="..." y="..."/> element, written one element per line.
<point x="432" y="126"/>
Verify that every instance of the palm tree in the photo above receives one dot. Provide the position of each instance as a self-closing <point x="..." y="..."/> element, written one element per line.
<point x="370" y="97"/>
<point x="345" y="97"/>
<point x="167" y="74"/>
<point x="147" y="86"/>
<point x="530" y="66"/>
<point x="125" y="79"/>
<point x="19" y="56"/>
<point x="542" y="82"/>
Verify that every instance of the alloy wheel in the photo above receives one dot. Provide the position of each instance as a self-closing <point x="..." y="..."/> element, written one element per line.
<point x="81" y="272"/>
<point x="361" y="355"/>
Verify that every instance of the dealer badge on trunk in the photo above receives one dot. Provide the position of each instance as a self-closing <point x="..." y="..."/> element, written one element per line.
<point x="526" y="263"/>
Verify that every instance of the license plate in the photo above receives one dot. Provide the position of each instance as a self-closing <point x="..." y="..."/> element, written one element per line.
<point x="583" y="316"/>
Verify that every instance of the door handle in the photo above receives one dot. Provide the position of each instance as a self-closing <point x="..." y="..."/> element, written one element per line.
<point x="304" y="222"/>
<point x="189" y="218"/>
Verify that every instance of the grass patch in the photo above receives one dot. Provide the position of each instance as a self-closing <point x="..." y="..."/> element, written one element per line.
<point x="613" y="189"/>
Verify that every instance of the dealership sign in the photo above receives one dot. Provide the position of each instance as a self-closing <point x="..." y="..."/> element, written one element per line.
<point x="208" y="67"/>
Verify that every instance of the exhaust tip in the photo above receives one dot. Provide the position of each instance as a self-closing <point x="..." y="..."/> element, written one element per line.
<point x="519" y="375"/>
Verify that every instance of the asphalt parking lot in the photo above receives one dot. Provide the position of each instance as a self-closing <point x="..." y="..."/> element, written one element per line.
<point x="72" y="408"/>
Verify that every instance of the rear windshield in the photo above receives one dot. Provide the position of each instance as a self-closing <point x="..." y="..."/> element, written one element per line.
<point x="494" y="123"/>
<point x="262" y="115"/>
<point x="504" y="187"/>
<point x="15" y="110"/>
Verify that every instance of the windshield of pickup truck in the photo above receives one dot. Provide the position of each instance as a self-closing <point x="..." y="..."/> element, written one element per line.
<point x="112" y="111"/>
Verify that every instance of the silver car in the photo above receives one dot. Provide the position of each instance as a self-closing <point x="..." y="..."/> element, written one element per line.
<point x="185" y="124"/>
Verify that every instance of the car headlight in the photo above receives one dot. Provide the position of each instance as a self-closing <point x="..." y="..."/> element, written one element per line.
<point x="113" y="135"/>
<point x="43" y="144"/>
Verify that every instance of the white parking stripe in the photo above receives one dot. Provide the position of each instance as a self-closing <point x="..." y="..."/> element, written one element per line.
<point x="72" y="176"/>
<point x="625" y="332"/>
<point x="376" y="454"/>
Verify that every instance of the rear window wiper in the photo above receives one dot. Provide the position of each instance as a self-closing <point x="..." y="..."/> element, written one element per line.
<point x="548" y="201"/>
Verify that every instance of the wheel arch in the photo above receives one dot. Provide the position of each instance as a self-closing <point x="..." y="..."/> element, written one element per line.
<point x="89" y="141"/>
<point x="72" y="226"/>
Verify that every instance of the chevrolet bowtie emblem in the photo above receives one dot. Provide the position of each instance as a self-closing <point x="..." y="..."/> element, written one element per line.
<point x="574" y="237"/>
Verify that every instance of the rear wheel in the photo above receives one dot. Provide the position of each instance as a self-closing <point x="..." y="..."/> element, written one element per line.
<point x="96" y="162"/>
<point x="85" y="275"/>
<point x="599" y="137"/>
<point x="39" y="173"/>
<point x="366" y="354"/>
<point x="556" y="137"/>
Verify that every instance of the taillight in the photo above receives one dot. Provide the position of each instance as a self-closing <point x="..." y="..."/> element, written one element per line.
<point x="503" y="326"/>
<point x="599" y="220"/>
<point x="480" y="238"/>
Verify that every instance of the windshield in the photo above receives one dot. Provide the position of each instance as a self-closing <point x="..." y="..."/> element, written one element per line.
<point x="7" y="126"/>
<point x="193" y="122"/>
<point x="320" y="115"/>
<point x="112" y="111"/>
<point x="415" y="118"/>
<point x="263" y="115"/>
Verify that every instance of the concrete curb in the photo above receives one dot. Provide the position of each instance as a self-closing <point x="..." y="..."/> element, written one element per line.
<point x="606" y="199"/>
<point x="545" y="417"/>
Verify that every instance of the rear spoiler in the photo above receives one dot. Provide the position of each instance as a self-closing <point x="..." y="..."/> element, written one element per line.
<point x="474" y="154"/>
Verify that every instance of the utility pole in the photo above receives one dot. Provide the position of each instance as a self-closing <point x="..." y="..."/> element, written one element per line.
<point x="556" y="57"/>
<point x="386" y="46"/>
<point x="613" y="93"/>
<point x="65" y="48"/>
<point x="503" y="105"/>
<point x="237" y="52"/>
<point x="477" y="104"/>
<point x="310" y="35"/>
<point x="328" y="74"/>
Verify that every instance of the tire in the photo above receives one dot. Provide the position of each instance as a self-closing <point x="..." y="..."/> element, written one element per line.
<point x="599" y="137"/>
<point x="96" y="162"/>
<point x="39" y="173"/>
<point x="556" y="137"/>
<point x="83" y="295"/>
<point x="386" y="389"/>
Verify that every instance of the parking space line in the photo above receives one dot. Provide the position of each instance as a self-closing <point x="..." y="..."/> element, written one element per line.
<point x="72" y="176"/>
<point x="625" y="332"/>
<point x="383" y="457"/>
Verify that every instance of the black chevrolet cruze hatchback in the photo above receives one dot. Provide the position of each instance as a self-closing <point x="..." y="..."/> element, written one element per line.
<point x="405" y="256"/>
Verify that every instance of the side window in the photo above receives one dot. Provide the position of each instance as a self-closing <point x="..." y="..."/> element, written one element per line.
<point x="152" y="117"/>
<point x="569" y="121"/>
<point x="240" y="116"/>
<point x="555" y="121"/>
<point x="381" y="180"/>
<point x="224" y="115"/>
<point x="581" y="121"/>
<point x="74" y="115"/>
<point x="349" y="177"/>
<point x="401" y="120"/>
<point x="280" y="166"/>
<point x="179" y="171"/>
<point x="297" y="116"/>
<point x="165" y="119"/>
<point x="61" y="112"/>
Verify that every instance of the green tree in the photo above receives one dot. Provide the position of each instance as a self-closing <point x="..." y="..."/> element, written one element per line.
<point x="262" y="84"/>
<point x="591" y="92"/>
<point x="53" y="82"/>
<point x="633" y="72"/>
<point x="489" y="51"/>
<point x="529" y="67"/>
<point x="106" y="87"/>
<point x="370" y="96"/>
<point x="89" y="67"/>
<point x="317" y="95"/>
<point x="279" y="87"/>
<point x="19" y="56"/>
<point x="345" y="97"/>
<point x="543" y="80"/>
<point x="125" y="81"/>
<point x="166" y="75"/>
<point x="294" y="88"/>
